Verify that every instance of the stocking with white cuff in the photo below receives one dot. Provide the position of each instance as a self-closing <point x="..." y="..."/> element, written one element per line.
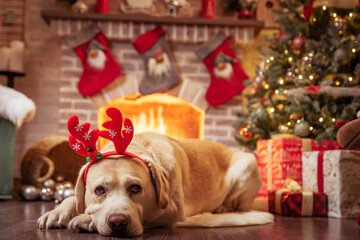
<point x="227" y="74"/>
<point x="160" y="69"/>
<point x="99" y="66"/>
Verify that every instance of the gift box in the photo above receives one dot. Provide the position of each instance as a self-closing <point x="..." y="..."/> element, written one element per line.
<point x="305" y="203"/>
<point x="337" y="174"/>
<point x="279" y="159"/>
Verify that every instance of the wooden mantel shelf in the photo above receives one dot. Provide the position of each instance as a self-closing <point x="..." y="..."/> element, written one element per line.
<point x="119" y="17"/>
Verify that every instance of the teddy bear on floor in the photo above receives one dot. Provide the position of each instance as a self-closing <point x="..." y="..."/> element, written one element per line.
<point x="348" y="137"/>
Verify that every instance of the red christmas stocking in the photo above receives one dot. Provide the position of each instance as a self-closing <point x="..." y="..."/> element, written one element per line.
<point x="160" y="70"/>
<point x="99" y="66"/>
<point x="227" y="74"/>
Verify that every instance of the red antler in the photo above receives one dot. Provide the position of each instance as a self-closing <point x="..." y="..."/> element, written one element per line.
<point x="121" y="139"/>
<point x="80" y="140"/>
<point x="84" y="143"/>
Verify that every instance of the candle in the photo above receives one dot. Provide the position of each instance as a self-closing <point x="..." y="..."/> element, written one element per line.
<point x="208" y="9"/>
<point x="16" y="63"/>
<point x="102" y="6"/>
<point x="4" y="58"/>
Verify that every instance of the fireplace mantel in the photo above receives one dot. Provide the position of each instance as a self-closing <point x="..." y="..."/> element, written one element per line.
<point x="128" y="26"/>
<point x="223" y="22"/>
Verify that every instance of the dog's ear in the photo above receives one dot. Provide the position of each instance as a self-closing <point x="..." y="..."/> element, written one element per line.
<point x="160" y="177"/>
<point x="80" y="191"/>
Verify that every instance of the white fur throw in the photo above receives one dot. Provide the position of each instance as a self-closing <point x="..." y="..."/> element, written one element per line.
<point x="15" y="106"/>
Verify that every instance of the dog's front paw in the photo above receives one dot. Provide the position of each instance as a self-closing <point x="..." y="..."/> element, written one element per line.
<point x="82" y="223"/>
<point x="55" y="219"/>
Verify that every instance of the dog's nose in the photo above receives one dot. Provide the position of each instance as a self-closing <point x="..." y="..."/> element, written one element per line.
<point x="118" y="222"/>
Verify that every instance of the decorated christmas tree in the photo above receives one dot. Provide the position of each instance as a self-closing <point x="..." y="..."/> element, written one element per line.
<point x="307" y="82"/>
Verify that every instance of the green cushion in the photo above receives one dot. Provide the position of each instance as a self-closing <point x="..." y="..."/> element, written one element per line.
<point x="7" y="145"/>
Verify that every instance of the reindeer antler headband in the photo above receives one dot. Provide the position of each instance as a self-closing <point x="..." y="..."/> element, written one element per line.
<point x="84" y="143"/>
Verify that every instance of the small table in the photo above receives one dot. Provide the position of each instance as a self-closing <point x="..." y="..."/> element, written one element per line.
<point x="11" y="76"/>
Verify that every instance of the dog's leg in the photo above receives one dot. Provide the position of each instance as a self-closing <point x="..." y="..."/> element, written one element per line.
<point x="244" y="178"/>
<point x="60" y="216"/>
<point x="82" y="223"/>
<point x="227" y="219"/>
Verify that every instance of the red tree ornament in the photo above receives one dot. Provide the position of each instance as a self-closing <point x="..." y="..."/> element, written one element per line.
<point x="245" y="132"/>
<point x="298" y="43"/>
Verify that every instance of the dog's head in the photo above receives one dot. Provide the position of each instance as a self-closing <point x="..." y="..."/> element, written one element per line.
<point x="121" y="194"/>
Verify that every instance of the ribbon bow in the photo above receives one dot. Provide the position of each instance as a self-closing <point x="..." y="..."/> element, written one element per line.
<point x="308" y="9"/>
<point x="313" y="89"/>
<point x="293" y="186"/>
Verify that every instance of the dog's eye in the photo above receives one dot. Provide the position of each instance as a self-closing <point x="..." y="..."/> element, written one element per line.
<point x="135" y="188"/>
<point x="99" y="191"/>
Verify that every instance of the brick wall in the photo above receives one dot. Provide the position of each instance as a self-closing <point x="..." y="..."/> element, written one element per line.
<point x="15" y="30"/>
<point x="41" y="83"/>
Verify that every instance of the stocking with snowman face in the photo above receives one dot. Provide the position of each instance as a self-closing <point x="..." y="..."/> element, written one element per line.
<point x="160" y="70"/>
<point x="99" y="66"/>
<point x="227" y="74"/>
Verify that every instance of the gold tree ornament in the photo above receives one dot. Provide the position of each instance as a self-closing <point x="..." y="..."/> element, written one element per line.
<point x="302" y="129"/>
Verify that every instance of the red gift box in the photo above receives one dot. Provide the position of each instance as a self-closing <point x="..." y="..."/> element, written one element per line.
<point x="292" y="201"/>
<point x="291" y="204"/>
<point x="280" y="158"/>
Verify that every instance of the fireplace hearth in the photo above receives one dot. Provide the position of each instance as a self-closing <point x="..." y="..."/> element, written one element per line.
<point x="161" y="113"/>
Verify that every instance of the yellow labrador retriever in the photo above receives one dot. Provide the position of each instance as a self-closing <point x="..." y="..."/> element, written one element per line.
<point x="186" y="183"/>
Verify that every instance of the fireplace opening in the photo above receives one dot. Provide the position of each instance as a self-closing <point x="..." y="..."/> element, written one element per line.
<point x="160" y="112"/>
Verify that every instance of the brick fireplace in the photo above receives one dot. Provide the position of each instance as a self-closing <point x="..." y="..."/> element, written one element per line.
<point x="183" y="38"/>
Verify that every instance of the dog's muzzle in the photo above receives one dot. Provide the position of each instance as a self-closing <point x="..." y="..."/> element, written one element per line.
<point x="118" y="224"/>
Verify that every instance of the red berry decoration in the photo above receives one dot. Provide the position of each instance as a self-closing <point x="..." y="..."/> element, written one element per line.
<point x="245" y="14"/>
<point x="281" y="35"/>
<point x="340" y="123"/>
<point x="358" y="219"/>
<point x="298" y="43"/>
<point x="296" y="116"/>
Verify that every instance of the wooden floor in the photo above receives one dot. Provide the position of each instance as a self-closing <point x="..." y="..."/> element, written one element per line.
<point x="18" y="221"/>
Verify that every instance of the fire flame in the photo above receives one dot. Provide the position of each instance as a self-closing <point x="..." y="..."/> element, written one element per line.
<point x="161" y="113"/>
<point x="149" y="122"/>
